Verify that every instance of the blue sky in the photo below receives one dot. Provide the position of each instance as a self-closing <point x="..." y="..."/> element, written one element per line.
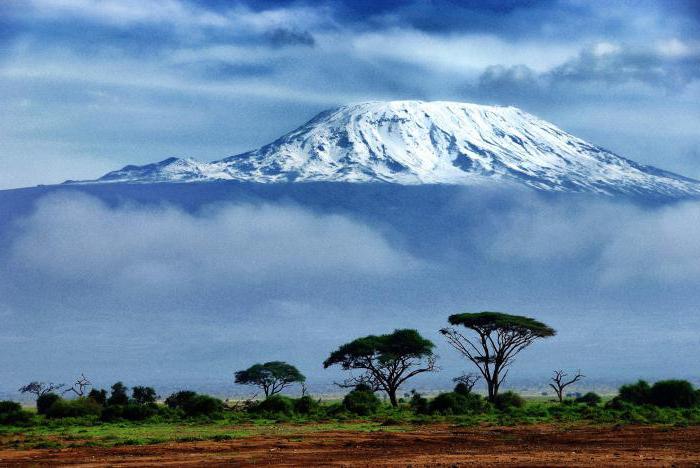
<point x="87" y="86"/>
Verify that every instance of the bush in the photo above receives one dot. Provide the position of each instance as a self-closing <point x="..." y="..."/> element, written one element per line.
<point x="98" y="396"/>
<point x="12" y="413"/>
<point x="143" y="395"/>
<point x="456" y="403"/>
<point x="590" y="398"/>
<point x="507" y="400"/>
<point x="419" y="404"/>
<point x="276" y="405"/>
<point x="139" y="412"/>
<point x="9" y="407"/>
<point x="335" y="410"/>
<point x="118" y="396"/>
<point x="306" y="405"/>
<point x="179" y="399"/>
<point x="74" y="408"/>
<point x="361" y="401"/>
<point x="462" y="389"/>
<point x="637" y="393"/>
<point x="131" y="412"/>
<point x="193" y="404"/>
<point x="673" y="394"/>
<point x="44" y="402"/>
<point x="112" y="413"/>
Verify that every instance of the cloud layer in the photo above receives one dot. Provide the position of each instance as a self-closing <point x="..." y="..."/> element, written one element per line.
<point x="172" y="295"/>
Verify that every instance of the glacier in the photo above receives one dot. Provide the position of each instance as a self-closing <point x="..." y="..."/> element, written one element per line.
<point x="416" y="142"/>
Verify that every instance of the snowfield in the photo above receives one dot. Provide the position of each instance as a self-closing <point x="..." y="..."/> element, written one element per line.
<point x="414" y="142"/>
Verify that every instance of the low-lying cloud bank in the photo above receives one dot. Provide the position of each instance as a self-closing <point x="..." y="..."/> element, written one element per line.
<point x="155" y="291"/>
<point x="77" y="240"/>
<point x="623" y="243"/>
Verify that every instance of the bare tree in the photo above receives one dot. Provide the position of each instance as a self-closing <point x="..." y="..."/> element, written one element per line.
<point x="79" y="386"/>
<point x="40" y="388"/>
<point x="468" y="380"/>
<point x="559" y="382"/>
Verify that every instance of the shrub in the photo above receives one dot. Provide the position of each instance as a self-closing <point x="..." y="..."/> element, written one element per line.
<point x="507" y="400"/>
<point x="44" y="402"/>
<point x="276" y="405"/>
<point x="361" y="401"/>
<point x="637" y="393"/>
<point x="590" y="398"/>
<point x="419" y="404"/>
<point x="335" y="410"/>
<point x="456" y="403"/>
<point x="179" y="399"/>
<point x="131" y="412"/>
<point x="9" y="407"/>
<point x="462" y="389"/>
<point x="193" y="404"/>
<point x="306" y="405"/>
<point x="74" y="408"/>
<point x="139" y="412"/>
<point x="143" y="395"/>
<point x="12" y="413"/>
<point x="112" y="413"/>
<point x="118" y="396"/>
<point x="673" y="394"/>
<point x="98" y="396"/>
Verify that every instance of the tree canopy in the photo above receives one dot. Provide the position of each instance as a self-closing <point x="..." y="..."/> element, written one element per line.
<point x="499" y="338"/>
<point x="272" y="377"/>
<point x="492" y="321"/>
<point x="387" y="361"/>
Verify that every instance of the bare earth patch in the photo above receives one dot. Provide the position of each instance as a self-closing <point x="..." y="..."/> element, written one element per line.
<point x="537" y="445"/>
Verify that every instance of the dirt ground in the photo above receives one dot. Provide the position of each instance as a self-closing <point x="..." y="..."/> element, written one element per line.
<point x="433" y="445"/>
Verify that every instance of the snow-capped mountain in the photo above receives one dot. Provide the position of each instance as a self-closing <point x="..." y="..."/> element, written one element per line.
<point x="414" y="142"/>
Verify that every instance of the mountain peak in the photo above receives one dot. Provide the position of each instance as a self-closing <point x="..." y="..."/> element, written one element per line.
<point x="418" y="142"/>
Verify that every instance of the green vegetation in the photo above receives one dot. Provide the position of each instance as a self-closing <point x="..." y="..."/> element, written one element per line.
<point x="386" y="362"/>
<point x="664" y="393"/>
<point x="271" y="377"/>
<point x="280" y="415"/>
<point x="361" y="401"/>
<point x="499" y="338"/>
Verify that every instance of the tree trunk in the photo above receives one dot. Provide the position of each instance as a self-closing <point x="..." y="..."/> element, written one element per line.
<point x="392" y="397"/>
<point x="492" y="390"/>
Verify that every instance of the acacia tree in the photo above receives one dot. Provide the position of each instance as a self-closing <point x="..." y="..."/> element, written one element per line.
<point x="272" y="377"/>
<point x="40" y="388"/>
<point x="498" y="339"/>
<point x="559" y="382"/>
<point x="386" y="361"/>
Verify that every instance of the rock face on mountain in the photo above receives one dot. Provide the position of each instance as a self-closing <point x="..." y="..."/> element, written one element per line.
<point x="414" y="142"/>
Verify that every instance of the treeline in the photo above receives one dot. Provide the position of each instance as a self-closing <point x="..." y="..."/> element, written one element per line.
<point x="490" y="341"/>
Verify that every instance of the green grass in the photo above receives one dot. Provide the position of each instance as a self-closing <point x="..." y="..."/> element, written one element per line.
<point x="148" y="432"/>
<point x="62" y="433"/>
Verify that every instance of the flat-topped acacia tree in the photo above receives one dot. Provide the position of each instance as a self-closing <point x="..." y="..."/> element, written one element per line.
<point x="272" y="377"/>
<point x="386" y="361"/>
<point x="497" y="339"/>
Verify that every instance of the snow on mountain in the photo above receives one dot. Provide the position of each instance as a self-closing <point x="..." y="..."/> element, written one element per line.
<point x="414" y="142"/>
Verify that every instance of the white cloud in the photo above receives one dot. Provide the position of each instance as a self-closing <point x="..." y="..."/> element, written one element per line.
<point x="77" y="241"/>
<point x="465" y="53"/>
<point x="614" y="243"/>
<point x="123" y="12"/>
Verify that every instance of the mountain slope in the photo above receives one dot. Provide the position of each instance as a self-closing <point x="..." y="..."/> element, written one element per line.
<point x="413" y="142"/>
